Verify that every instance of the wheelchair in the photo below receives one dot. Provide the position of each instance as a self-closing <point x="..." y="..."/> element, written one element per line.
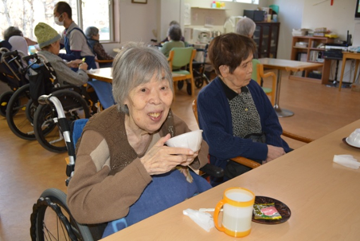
<point x="51" y="218"/>
<point x="30" y="121"/>
<point x="199" y="67"/>
<point x="11" y="73"/>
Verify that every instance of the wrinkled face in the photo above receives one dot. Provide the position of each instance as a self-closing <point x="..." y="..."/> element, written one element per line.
<point x="149" y="105"/>
<point x="56" y="47"/>
<point x="96" y="37"/>
<point x="241" y="75"/>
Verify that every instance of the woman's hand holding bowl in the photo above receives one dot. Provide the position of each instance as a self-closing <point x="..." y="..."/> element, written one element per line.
<point x="161" y="159"/>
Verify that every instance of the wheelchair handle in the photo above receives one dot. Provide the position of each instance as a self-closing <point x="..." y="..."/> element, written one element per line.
<point x="27" y="58"/>
<point x="7" y="54"/>
<point x="46" y="99"/>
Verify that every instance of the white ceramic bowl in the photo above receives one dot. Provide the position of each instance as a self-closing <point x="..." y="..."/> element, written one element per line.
<point x="354" y="138"/>
<point x="191" y="140"/>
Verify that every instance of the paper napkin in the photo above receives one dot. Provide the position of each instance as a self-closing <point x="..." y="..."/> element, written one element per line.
<point x="203" y="219"/>
<point x="347" y="161"/>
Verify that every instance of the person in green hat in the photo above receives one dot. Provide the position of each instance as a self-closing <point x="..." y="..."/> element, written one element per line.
<point x="49" y="43"/>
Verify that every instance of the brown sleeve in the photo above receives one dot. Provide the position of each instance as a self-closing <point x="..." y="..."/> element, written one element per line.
<point x="181" y="127"/>
<point x="93" y="195"/>
<point x="101" y="53"/>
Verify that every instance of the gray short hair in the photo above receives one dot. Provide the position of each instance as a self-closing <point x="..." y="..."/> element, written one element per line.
<point x="134" y="65"/>
<point x="91" y="31"/>
<point x="245" y="26"/>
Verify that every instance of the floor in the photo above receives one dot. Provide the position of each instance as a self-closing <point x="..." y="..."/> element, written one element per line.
<point x="26" y="169"/>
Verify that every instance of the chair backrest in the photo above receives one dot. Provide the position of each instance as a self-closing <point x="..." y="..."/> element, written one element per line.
<point x="104" y="92"/>
<point x="181" y="56"/>
<point x="11" y="68"/>
<point x="255" y="75"/>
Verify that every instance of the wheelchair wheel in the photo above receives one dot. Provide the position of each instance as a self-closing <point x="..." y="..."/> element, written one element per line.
<point x="4" y="100"/>
<point x="30" y="110"/>
<point x="16" y="115"/>
<point x="180" y="84"/>
<point x="188" y="88"/>
<point x="52" y="220"/>
<point x="198" y="78"/>
<point x="47" y="131"/>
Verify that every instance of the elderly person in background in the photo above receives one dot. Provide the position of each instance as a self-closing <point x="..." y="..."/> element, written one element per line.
<point x="123" y="169"/>
<point x="234" y="112"/>
<point x="173" y="22"/>
<point x="49" y="42"/>
<point x="246" y="26"/>
<point x="174" y="36"/>
<point x="93" y="36"/>
<point x="18" y="42"/>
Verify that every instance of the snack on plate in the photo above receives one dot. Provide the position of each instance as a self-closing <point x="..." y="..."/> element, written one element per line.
<point x="266" y="211"/>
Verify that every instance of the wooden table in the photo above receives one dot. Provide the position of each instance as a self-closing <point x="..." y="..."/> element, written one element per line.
<point x="323" y="197"/>
<point x="349" y="55"/>
<point x="288" y="65"/>
<point x="105" y="74"/>
<point x="102" y="74"/>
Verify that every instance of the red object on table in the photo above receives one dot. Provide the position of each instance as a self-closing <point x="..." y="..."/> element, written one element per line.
<point x="332" y="2"/>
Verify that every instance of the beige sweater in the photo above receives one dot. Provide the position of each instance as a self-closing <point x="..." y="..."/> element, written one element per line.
<point x="103" y="188"/>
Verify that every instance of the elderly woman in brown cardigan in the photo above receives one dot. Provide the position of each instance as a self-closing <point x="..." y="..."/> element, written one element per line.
<point x="123" y="169"/>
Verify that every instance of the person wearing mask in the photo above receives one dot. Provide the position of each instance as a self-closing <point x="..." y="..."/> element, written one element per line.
<point x="73" y="38"/>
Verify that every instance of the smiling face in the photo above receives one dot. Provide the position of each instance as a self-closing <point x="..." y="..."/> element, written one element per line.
<point x="149" y="104"/>
<point x="241" y="75"/>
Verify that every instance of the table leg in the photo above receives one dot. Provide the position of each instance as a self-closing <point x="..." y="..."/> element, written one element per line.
<point x="342" y="71"/>
<point x="280" y="112"/>
<point x="356" y="69"/>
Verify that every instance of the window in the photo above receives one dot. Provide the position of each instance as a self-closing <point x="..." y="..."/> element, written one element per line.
<point x="93" y="12"/>
<point x="26" y="14"/>
<point x="243" y="1"/>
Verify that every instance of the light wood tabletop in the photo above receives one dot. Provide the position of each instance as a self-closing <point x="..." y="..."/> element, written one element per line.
<point x="105" y="74"/>
<point x="102" y="74"/>
<point x="323" y="197"/>
<point x="288" y="65"/>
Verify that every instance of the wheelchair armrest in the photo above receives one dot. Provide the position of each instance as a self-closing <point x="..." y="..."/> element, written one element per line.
<point x="212" y="170"/>
<point x="297" y="137"/>
<point x="246" y="162"/>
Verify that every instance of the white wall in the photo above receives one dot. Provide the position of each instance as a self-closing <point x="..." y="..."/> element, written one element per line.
<point x="290" y="17"/>
<point x="138" y="20"/>
<point x="338" y="18"/>
<point x="218" y="17"/>
<point x="142" y="22"/>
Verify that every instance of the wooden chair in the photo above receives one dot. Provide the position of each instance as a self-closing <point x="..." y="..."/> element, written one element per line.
<point x="258" y="73"/>
<point x="104" y="62"/>
<point x="179" y="58"/>
<point x="241" y="160"/>
<point x="245" y="161"/>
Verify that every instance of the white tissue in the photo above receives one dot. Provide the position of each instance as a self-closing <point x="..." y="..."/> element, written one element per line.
<point x="347" y="161"/>
<point x="204" y="220"/>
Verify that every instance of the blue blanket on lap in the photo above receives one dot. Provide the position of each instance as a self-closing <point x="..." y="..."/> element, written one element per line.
<point x="164" y="191"/>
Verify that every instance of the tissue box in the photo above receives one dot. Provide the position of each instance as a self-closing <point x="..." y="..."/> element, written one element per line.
<point x="299" y="32"/>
